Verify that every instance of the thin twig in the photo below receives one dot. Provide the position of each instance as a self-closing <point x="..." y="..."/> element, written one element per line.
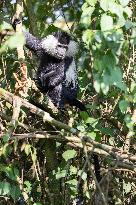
<point x="124" y="159"/>
<point x="15" y="116"/>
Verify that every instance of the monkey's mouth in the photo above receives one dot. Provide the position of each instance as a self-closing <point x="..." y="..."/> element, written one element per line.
<point x="61" y="50"/>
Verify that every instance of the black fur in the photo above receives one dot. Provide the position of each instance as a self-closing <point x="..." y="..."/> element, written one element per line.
<point x="51" y="76"/>
<point x="97" y="167"/>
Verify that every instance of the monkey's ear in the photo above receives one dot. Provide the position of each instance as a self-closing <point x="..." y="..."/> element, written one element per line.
<point x="15" y="22"/>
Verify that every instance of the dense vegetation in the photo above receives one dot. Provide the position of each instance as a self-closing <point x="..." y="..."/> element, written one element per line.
<point x="47" y="158"/>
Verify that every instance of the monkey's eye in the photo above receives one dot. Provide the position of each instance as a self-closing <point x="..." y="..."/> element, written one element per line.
<point x="62" y="45"/>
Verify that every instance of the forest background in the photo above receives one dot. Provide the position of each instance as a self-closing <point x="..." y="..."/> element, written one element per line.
<point x="46" y="157"/>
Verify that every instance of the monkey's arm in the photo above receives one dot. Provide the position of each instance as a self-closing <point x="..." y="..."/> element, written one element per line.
<point x="49" y="80"/>
<point x="55" y="81"/>
<point x="49" y="44"/>
<point x="33" y="43"/>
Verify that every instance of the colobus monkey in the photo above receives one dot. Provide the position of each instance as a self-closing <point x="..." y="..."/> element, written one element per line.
<point x="57" y="74"/>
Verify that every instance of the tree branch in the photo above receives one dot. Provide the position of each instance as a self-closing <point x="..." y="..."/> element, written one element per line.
<point x="118" y="157"/>
<point x="15" y="116"/>
<point x="46" y="116"/>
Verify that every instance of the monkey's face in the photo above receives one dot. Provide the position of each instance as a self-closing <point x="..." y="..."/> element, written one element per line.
<point x="65" y="40"/>
<point x="57" y="44"/>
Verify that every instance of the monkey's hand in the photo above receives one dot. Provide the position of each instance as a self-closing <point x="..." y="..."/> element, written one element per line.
<point x="15" y="22"/>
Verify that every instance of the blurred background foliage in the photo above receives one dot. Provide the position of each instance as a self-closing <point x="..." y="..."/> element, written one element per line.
<point x="30" y="171"/>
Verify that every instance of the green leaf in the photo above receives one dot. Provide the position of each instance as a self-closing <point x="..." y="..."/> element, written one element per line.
<point x="116" y="78"/>
<point x="106" y="79"/>
<point x="6" y="150"/>
<point x="106" y="130"/>
<point x="13" y="42"/>
<point x="73" y="170"/>
<point x="128" y="24"/>
<point x="33" y="155"/>
<point x="104" y="4"/>
<point x="37" y="204"/>
<point x="133" y="86"/>
<point x="12" y="172"/>
<point x="84" y="116"/>
<point x="105" y="87"/>
<point x="61" y="174"/>
<point x="28" y="187"/>
<point x="92" y="121"/>
<point x="121" y="21"/>
<point x="91" y="2"/>
<point x="73" y="186"/>
<point x="115" y="8"/>
<point x="81" y="128"/>
<point x="69" y="154"/>
<point x="92" y="135"/>
<point x="8" y="105"/>
<point x="16" y="40"/>
<point x="115" y="36"/>
<point x="128" y="11"/>
<point x="86" y="14"/>
<point x="106" y="22"/>
<point x="98" y="64"/>
<point x="123" y="105"/>
<point x="98" y="36"/>
<point x="2" y="167"/>
<point x="6" y="137"/>
<point x="4" y="188"/>
<point x="133" y="40"/>
<point x="15" y="192"/>
<point x="82" y="174"/>
<point x="124" y="2"/>
<point x="5" y="26"/>
<point x="27" y="149"/>
<point x="1" y="188"/>
<point x="73" y="182"/>
<point x="97" y="85"/>
<point x="88" y="36"/>
<point x="87" y="194"/>
<point x="128" y="121"/>
<point x="127" y="187"/>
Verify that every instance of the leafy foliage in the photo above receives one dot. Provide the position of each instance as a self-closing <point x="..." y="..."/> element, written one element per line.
<point x="42" y="171"/>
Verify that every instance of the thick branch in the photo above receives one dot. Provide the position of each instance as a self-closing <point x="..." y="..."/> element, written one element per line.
<point x="22" y="84"/>
<point x="115" y="153"/>
<point x="76" y="142"/>
<point x="46" y="116"/>
<point x="18" y="15"/>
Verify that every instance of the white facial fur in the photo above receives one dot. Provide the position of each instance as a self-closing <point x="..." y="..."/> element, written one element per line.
<point x="71" y="74"/>
<point x="49" y="44"/>
<point x="72" y="48"/>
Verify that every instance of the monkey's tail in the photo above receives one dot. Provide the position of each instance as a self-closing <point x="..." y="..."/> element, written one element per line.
<point x="79" y="105"/>
<point x="97" y="167"/>
<point x="82" y="107"/>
